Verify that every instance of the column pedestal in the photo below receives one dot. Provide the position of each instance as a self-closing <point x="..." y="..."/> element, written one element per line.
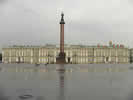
<point x="61" y="59"/>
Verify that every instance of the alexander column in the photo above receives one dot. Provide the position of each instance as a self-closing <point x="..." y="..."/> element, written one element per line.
<point x="61" y="58"/>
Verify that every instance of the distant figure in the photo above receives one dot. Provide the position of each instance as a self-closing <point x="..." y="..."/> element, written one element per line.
<point x="46" y="64"/>
<point x="36" y="64"/>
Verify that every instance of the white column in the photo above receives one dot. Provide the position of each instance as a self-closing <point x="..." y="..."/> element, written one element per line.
<point x="116" y="59"/>
<point x="16" y="59"/>
<point x="94" y="53"/>
<point x="104" y="52"/>
<point x="39" y="54"/>
<point x="116" y="53"/>
<point x="39" y="59"/>
<point x="9" y="59"/>
<point x="10" y="53"/>
<point x="31" y="60"/>
<point x="110" y="52"/>
<point x="3" y="56"/>
<point x="3" y="53"/>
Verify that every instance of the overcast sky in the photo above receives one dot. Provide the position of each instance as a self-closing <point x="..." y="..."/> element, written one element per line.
<point x="36" y="22"/>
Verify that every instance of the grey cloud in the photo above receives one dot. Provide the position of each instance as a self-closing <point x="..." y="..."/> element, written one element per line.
<point x="3" y="1"/>
<point x="130" y="1"/>
<point x="37" y="22"/>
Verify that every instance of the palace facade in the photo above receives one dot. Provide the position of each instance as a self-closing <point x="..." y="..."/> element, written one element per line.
<point x="75" y="54"/>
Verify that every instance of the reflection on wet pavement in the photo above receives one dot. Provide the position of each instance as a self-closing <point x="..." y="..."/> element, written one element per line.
<point x="66" y="82"/>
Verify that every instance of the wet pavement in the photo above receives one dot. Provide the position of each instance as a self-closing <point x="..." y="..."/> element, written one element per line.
<point x="66" y="82"/>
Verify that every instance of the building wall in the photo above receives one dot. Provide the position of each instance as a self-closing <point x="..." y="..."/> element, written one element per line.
<point x="77" y="54"/>
<point x="111" y="55"/>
